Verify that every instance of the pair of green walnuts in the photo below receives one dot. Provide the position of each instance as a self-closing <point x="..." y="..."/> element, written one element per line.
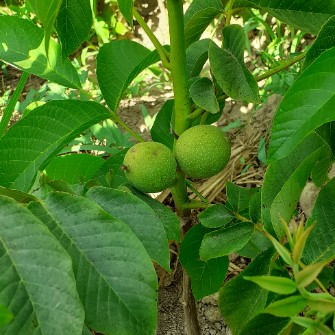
<point x="200" y="152"/>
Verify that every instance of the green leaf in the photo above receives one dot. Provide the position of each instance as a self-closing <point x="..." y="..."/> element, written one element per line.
<point x="86" y="331"/>
<point x="196" y="57"/>
<point x="126" y="8"/>
<point x="206" y="277"/>
<point x="116" y="280"/>
<point x="118" y="63"/>
<point x="232" y="76"/>
<point x="34" y="140"/>
<point x="37" y="284"/>
<point x="285" y="179"/>
<point x="256" y="244"/>
<point x="47" y="12"/>
<point x="225" y="241"/>
<point x="312" y="325"/>
<point x="74" y="168"/>
<point x="73" y="24"/>
<point x="161" y="130"/>
<point x="275" y="284"/>
<point x="324" y="213"/>
<point x="21" y="45"/>
<point x="267" y="324"/>
<point x="110" y="173"/>
<point x="287" y="307"/>
<point x="255" y="207"/>
<point x="18" y="196"/>
<point x="5" y="316"/>
<point x="234" y="41"/>
<point x="198" y="16"/>
<point x="203" y="94"/>
<point x="306" y="106"/>
<point x="169" y="219"/>
<point x="238" y="198"/>
<point x="240" y="300"/>
<point x="307" y="275"/>
<point x="215" y="216"/>
<point x="307" y="17"/>
<point x="141" y="219"/>
<point x="321" y="302"/>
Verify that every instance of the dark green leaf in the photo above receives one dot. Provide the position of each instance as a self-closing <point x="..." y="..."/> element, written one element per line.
<point x="285" y="179"/>
<point x="257" y="244"/>
<point x="203" y="95"/>
<point x="225" y="241"/>
<point x="206" y="277"/>
<point x="161" y="130"/>
<point x="240" y="300"/>
<point x="21" y="45"/>
<point x="215" y="216"/>
<point x="126" y="8"/>
<point x="255" y="207"/>
<point x="306" y="106"/>
<point x="287" y="307"/>
<point x="308" y="17"/>
<point x="266" y="324"/>
<point x="116" y="280"/>
<point x="47" y="12"/>
<point x="324" y="213"/>
<point x="37" y="284"/>
<point x="139" y="216"/>
<point x="169" y="219"/>
<point x="86" y="331"/>
<point x="118" y="63"/>
<point x="34" y="140"/>
<point x="5" y="316"/>
<point x="234" y="41"/>
<point x="198" y="16"/>
<point x="232" y="76"/>
<point x="17" y="195"/>
<point x="73" y="24"/>
<point x="196" y="57"/>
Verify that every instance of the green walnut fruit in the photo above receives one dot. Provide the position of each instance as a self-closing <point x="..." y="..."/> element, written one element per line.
<point x="202" y="151"/>
<point x="150" y="167"/>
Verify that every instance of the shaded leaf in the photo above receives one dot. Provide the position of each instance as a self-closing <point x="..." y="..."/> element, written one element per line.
<point x="141" y="219"/>
<point x="161" y="130"/>
<point x="240" y="300"/>
<point x="118" y="63"/>
<point x="285" y="179"/>
<point x="225" y="241"/>
<point x="324" y="213"/>
<point x="255" y="207"/>
<point x="37" y="284"/>
<point x="308" y="17"/>
<point x="107" y="258"/>
<point x="275" y="284"/>
<point x="233" y="77"/>
<point x="215" y="216"/>
<point x="206" y="277"/>
<point x="126" y="8"/>
<point x="196" y="57"/>
<point x="73" y="24"/>
<point x="306" y="106"/>
<point x="234" y="41"/>
<point x="21" y="45"/>
<point x="256" y="244"/>
<point x="30" y="143"/>
<point x="198" y="16"/>
<point x="203" y="94"/>
<point x="18" y="196"/>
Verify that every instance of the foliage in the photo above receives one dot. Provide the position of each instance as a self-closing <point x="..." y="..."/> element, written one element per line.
<point x="78" y="244"/>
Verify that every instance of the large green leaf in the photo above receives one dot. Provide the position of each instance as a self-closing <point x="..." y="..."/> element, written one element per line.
<point x="33" y="141"/>
<point x="206" y="277"/>
<point x="306" y="106"/>
<point x="196" y="57"/>
<point x="240" y="300"/>
<point x="115" y="277"/>
<point x="234" y="41"/>
<point x="118" y="63"/>
<point x="126" y="8"/>
<point x="198" y="16"/>
<point x="216" y="216"/>
<point x="47" y="12"/>
<point x="139" y="216"/>
<point x="21" y="45"/>
<point x="321" y="242"/>
<point x="232" y="75"/>
<point x="308" y="16"/>
<point x="37" y="284"/>
<point x="285" y="179"/>
<point x="73" y="24"/>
